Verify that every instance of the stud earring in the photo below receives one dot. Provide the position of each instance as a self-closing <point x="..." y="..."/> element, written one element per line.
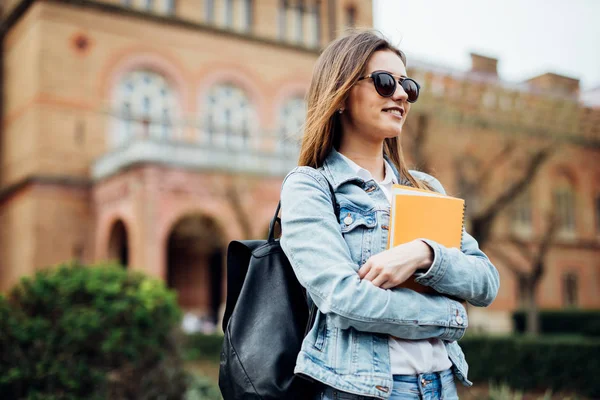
<point x="341" y="110"/>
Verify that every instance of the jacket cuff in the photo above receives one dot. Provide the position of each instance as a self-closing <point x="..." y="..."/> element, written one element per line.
<point x="438" y="266"/>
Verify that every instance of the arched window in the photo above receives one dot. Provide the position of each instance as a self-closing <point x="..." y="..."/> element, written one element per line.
<point x="570" y="290"/>
<point x="291" y="119"/>
<point x="564" y="204"/>
<point x="229" y="117"/>
<point x="145" y="106"/>
<point x="118" y="245"/>
<point x="522" y="212"/>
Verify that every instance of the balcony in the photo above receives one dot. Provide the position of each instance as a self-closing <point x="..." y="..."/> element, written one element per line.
<point x="266" y="155"/>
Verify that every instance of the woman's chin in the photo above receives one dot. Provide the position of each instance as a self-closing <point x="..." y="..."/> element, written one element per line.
<point x="393" y="132"/>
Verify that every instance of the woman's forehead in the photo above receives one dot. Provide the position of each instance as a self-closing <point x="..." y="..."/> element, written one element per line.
<point x="386" y="60"/>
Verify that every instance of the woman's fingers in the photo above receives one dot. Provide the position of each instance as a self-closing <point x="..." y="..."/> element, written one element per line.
<point x="372" y="274"/>
<point x="380" y="280"/>
<point x="388" y="285"/>
<point x="364" y="270"/>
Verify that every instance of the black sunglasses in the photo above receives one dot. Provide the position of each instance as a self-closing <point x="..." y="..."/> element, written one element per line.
<point x="386" y="84"/>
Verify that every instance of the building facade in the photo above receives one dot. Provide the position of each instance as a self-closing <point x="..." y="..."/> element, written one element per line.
<point x="153" y="132"/>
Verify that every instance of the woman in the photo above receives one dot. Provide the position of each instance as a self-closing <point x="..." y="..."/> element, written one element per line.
<point x="371" y="339"/>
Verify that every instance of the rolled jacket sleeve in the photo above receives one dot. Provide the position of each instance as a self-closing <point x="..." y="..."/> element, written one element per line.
<point x="313" y="242"/>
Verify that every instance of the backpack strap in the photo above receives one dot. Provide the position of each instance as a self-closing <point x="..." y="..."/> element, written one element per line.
<point x="312" y="313"/>
<point x="277" y="220"/>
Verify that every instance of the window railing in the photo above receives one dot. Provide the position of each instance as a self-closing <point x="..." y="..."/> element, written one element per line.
<point x="166" y="7"/>
<point x="200" y="146"/>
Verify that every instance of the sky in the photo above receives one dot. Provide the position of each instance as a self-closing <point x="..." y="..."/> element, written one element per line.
<point x="528" y="37"/>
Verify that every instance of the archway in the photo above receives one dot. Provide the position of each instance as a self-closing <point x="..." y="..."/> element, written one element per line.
<point x="195" y="269"/>
<point x="118" y="246"/>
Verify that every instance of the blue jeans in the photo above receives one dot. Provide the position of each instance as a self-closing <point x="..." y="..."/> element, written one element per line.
<point x="434" y="386"/>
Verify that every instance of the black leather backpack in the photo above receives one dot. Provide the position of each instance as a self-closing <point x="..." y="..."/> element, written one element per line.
<point x="266" y="318"/>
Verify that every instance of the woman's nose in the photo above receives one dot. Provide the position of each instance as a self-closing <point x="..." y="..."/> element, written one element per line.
<point x="400" y="94"/>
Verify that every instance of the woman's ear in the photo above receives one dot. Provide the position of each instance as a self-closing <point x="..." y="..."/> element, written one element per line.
<point x="343" y="107"/>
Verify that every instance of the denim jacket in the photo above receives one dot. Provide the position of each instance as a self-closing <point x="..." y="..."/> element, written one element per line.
<point x="347" y="347"/>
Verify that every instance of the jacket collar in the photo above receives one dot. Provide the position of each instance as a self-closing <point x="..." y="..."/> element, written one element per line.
<point x="338" y="171"/>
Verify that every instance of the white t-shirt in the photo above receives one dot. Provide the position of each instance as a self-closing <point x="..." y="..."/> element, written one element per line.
<point x="407" y="357"/>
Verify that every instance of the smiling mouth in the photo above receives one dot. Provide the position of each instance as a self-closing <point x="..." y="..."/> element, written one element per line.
<point x="395" y="111"/>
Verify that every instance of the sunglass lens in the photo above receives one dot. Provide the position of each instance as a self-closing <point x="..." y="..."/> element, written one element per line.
<point x="412" y="89"/>
<point x="385" y="84"/>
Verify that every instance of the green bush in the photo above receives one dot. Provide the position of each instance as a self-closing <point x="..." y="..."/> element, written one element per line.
<point x="76" y="332"/>
<point x="9" y="353"/>
<point x="202" y="388"/>
<point x="536" y="363"/>
<point x="200" y="346"/>
<point x="503" y="392"/>
<point x="582" y="322"/>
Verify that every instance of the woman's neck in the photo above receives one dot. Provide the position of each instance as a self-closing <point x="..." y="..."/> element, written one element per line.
<point x="368" y="155"/>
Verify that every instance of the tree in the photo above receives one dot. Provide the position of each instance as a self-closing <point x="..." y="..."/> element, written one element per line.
<point x="418" y="135"/>
<point x="474" y="173"/>
<point x="234" y="187"/>
<point x="532" y="266"/>
<point x="482" y="220"/>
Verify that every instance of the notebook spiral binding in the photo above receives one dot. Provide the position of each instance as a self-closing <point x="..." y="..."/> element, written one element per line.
<point x="462" y="232"/>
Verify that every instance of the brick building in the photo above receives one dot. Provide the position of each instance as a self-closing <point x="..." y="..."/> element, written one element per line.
<point x="153" y="132"/>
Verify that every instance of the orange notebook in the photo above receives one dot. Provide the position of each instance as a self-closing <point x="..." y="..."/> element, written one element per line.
<point x="417" y="213"/>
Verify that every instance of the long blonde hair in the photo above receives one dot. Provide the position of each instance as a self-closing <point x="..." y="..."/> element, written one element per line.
<point x="336" y="71"/>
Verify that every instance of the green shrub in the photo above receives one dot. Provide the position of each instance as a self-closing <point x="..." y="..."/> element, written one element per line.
<point x="536" y="363"/>
<point x="9" y="353"/>
<point x="75" y="332"/>
<point x="582" y="322"/>
<point x="200" y="346"/>
<point x="202" y="388"/>
<point x="503" y="392"/>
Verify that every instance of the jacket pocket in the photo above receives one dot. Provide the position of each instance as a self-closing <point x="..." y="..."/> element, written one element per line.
<point x="351" y="218"/>
<point x="357" y="228"/>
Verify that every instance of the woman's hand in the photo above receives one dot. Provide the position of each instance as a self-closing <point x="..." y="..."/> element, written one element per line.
<point x="392" y="267"/>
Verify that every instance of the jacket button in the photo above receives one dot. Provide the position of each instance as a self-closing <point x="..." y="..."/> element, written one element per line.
<point x="348" y="220"/>
<point x="459" y="320"/>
